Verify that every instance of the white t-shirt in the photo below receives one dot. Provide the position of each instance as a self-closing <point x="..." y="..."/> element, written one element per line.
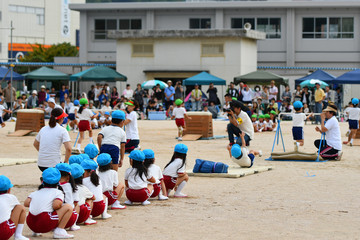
<point x="42" y="200"/>
<point x="97" y="92"/>
<point x="86" y="114"/>
<point x="113" y="135"/>
<point x="69" y="194"/>
<point x="269" y="124"/>
<point x="68" y="106"/>
<point x="298" y="119"/>
<point x="247" y="95"/>
<point x="7" y="204"/>
<point x="333" y="135"/>
<point x="134" y="180"/>
<point x="244" y="161"/>
<point x="49" y="109"/>
<point x="1" y="110"/>
<point x="179" y="112"/>
<point x="128" y="93"/>
<point x="97" y="191"/>
<point x="173" y="169"/>
<point x="261" y="124"/>
<point x="106" y="109"/>
<point x="84" y="193"/>
<point x="353" y="112"/>
<point x="109" y="180"/>
<point x="73" y="108"/>
<point x="273" y="90"/>
<point x="50" y="140"/>
<point x="156" y="172"/>
<point x="245" y="124"/>
<point x="132" y="127"/>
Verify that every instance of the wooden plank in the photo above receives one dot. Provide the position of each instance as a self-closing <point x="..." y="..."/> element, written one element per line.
<point x="19" y="133"/>
<point x="191" y="137"/>
<point x="356" y="142"/>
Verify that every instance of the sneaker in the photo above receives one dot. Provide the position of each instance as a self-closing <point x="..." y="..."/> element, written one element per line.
<point x="75" y="130"/>
<point x="105" y="215"/>
<point x="339" y="156"/>
<point x="79" y="150"/>
<point x="34" y="234"/>
<point x="90" y="221"/>
<point x="146" y="202"/>
<point x="260" y="153"/>
<point x="180" y="195"/>
<point x="162" y="197"/>
<point x="179" y="138"/>
<point x="137" y="148"/>
<point x="61" y="234"/>
<point x="128" y="202"/>
<point x="21" y="237"/>
<point x="74" y="227"/>
<point x="117" y="205"/>
<point x="345" y="142"/>
<point x="351" y="144"/>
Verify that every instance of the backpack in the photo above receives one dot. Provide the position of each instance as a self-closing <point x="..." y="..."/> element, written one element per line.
<point x="204" y="166"/>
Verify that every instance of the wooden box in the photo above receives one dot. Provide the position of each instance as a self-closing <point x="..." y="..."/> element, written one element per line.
<point x="358" y="132"/>
<point x="200" y="123"/>
<point x="30" y="119"/>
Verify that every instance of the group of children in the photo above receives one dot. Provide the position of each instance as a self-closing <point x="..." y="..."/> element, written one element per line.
<point x="264" y="122"/>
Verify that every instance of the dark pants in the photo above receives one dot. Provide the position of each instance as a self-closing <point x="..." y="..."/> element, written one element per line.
<point x="131" y="145"/>
<point x="326" y="152"/>
<point x="8" y="105"/>
<point x="168" y="104"/>
<point x="42" y="168"/>
<point x="318" y="109"/>
<point x="233" y="130"/>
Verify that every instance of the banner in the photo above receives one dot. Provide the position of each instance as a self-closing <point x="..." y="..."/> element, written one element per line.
<point x="65" y="18"/>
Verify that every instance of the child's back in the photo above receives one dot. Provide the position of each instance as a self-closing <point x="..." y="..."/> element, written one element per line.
<point x="134" y="180"/>
<point x="83" y="193"/>
<point x="179" y="112"/>
<point x="42" y="200"/>
<point x="155" y="171"/>
<point x="174" y="168"/>
<point x="353" y="112"/>
<point x="69" y="194"/>
<point x="96" y="190"/>
<point x="298" y="119"/>
<point x="113" y="135"/>
<point x="109" y="180"/>
<point x="7" y="204"/>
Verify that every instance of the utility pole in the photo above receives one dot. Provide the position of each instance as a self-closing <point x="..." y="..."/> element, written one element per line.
<point x="11" y="66"/>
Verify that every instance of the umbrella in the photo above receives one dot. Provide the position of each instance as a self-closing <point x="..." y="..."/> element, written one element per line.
<point x="152" y="83"/>
<point x="311" y="83"/>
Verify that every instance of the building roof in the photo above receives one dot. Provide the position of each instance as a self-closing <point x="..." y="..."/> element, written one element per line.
<point x="214" y="4"/>
<point x="192" y="33"/>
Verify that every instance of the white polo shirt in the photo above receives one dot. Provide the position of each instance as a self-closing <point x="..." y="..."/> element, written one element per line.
<point x="353" y="112"/>
<point x="132" y="128"/>
<point x="156" y="172"/>
<point x="42" y="200"/>
<point x="244" y="161"/>
<point x="134" y="180"/>
<point x="96" y="190"/>
<point x="245" y="124"/>
<point x="84" y="193"/>
<point x="7" y="204"/>
<point x="113" y="135"/>
<point x="109" y="180"/>
<point x="174" y="168"/>
<point x="179" y="112"/>
<point x="85" y="114"/>
<point x="298" y="119"/>
<point x="50" y="140"/>
<point x="333" y="135"/>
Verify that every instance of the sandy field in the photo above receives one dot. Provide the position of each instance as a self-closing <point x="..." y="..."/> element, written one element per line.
<point x="280" y="204"/>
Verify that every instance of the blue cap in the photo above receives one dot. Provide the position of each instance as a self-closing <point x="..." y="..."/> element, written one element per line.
<point x="84" y="156"/>
<point x="355" y="101"/>
<point x="75" y="159"/>
<point x="64" y="167"/>
<point x="103" y="159"/>
<point x="5" y="183"/>
<point x="297" y="104"/>
<point x="91" y="150"/>
<point x="181" y="148"/>
<point x="106" y="113"/>
<point x="236" y="151"/>
<point x="118" y="114"/>
<point x="137" y="155"/>
<point x="76" y="170"/>
<point x="89" y="164"/>
<point x="51" y="176"/>
<point x="76" y="102"/>
<point x="149" y="154"/>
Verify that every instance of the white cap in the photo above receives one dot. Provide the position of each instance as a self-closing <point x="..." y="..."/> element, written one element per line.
<point x="34" y="92"/>
<point x="43" y="86"/>
<point x="51" y="100"/>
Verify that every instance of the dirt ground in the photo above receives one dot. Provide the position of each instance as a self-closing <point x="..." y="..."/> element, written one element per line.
<point x="284" y="203"/>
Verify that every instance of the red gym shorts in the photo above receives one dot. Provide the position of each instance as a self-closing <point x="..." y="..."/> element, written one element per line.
<point x="111" y="196"/>
<point x="169" y="182"/>
<point x="180" y="122"/>
<point x="7" y="229"/>
<point x="157" y="188"/>
<point x="84" y="125"/>
<point x="98" y="208"/>
<point x="72" y="219"/>
<point x="138" y="195"/>
<point x="43" y="222"/>
<point x="84" y="213"/>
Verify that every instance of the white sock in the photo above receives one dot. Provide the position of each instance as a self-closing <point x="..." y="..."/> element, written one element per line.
<point x="79" y="146"/>
<point x="19" y="230"/>
<point x="106" y="206"/>
<point x="180" y="187"/>
<point x="91" y="140"/>
<point x="351" y="141"/>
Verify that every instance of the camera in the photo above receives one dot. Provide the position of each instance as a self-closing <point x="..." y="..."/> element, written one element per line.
<point x="227" y="110"/>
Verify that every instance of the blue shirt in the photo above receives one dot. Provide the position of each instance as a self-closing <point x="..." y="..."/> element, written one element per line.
<point x="62" y="93"/>
<point x="168" y="91"/>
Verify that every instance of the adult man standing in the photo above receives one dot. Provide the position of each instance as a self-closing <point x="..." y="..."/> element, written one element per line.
<point x="331" y="147"/>
<point x="239" y="122"/>
<point x="169" y="95"/>
<point x="319" y="98"/>
<point x="273" y="90"/>
<point x="9" y="94"/>
<point x="233" y="91"/>
<point x="196" y="95"/>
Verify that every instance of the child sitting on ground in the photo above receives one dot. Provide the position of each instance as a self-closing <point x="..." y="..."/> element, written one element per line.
<point x="298" y="123"/>
<point x="47" y="211"/>
<point x="269" y="125"/>
<point x="353" y="113"/>
<point x="242" y="156"/>
<point x="155" y="171"/>
<point x="179" y="113"/>
<point x="254" y="122"/>
<point x="111" y="187"/>
<point x="261" y="123"/>
<point x="2" y="109"/>
<point x="174" y="173"/>
<point x="273" y="118"/>
<point x="112" y="139"/>
<point x="136" y="180"/>
<point x="12" y="214"/>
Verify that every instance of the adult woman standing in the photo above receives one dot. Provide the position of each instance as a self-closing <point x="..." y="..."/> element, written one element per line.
<point x="114" y="96"/>
<point x="306" y="96"/>
<point x="286" y="95"/>
<point x="49" y="140"/>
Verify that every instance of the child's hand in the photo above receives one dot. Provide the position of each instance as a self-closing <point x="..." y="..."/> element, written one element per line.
<point x="242" y="134"/>
<point x="317" y="129"/>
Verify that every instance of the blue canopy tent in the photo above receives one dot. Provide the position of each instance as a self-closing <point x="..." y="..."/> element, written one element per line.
<point x="204" y="78"/>
<point x="318" y="74"/>
<point x="6" y="75"/>
<point x="352" y="77"/>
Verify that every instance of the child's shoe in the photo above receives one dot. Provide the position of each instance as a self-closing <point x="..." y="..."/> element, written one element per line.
<point x="105" y="215"/>
<point x="117" y="205"/>
<point x="21" y="237"/>
<point x="60" y="233"/>
<point x="146" y="202"/>
<point x="179" y="139"/>
<point x="74" y="227"/>
<point x="128" y="202"/>
<point x="180" y="195"/>
<point x="162" y="197"/>
<point x="90" y="221"/>
<point x="260" y="153"/>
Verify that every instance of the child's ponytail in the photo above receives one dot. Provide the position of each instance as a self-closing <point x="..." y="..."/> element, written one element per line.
<point x="72" y="183"/>
<point x="81" y="109"/>
<point x="148" y="162"/>
<point x="52" y="121"/>
<point x="94" y="178"/>
<point x="182" y="156"/>
<point x="140" y="169"/>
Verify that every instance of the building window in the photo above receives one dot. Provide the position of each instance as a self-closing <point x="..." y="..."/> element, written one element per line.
<point x="143" y="50"/>
<point x="40" y="19"/>
<point x="333" y="27"/>
<point x="315" y="27"/>
<point x="0" y="47"/>
<point x="126" y="24"/>
<point x="102" y="26"/>
<point x="341" y="27"/>
<point x="212" y="50"/>
<point x="200" y="23"/>
<point x="271" y="26"/>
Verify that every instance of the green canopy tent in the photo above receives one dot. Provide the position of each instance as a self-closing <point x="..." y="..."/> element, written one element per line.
<point x="46" y="74"/>
<point x="98" y="74"/>
<point x="261" y="77"/>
